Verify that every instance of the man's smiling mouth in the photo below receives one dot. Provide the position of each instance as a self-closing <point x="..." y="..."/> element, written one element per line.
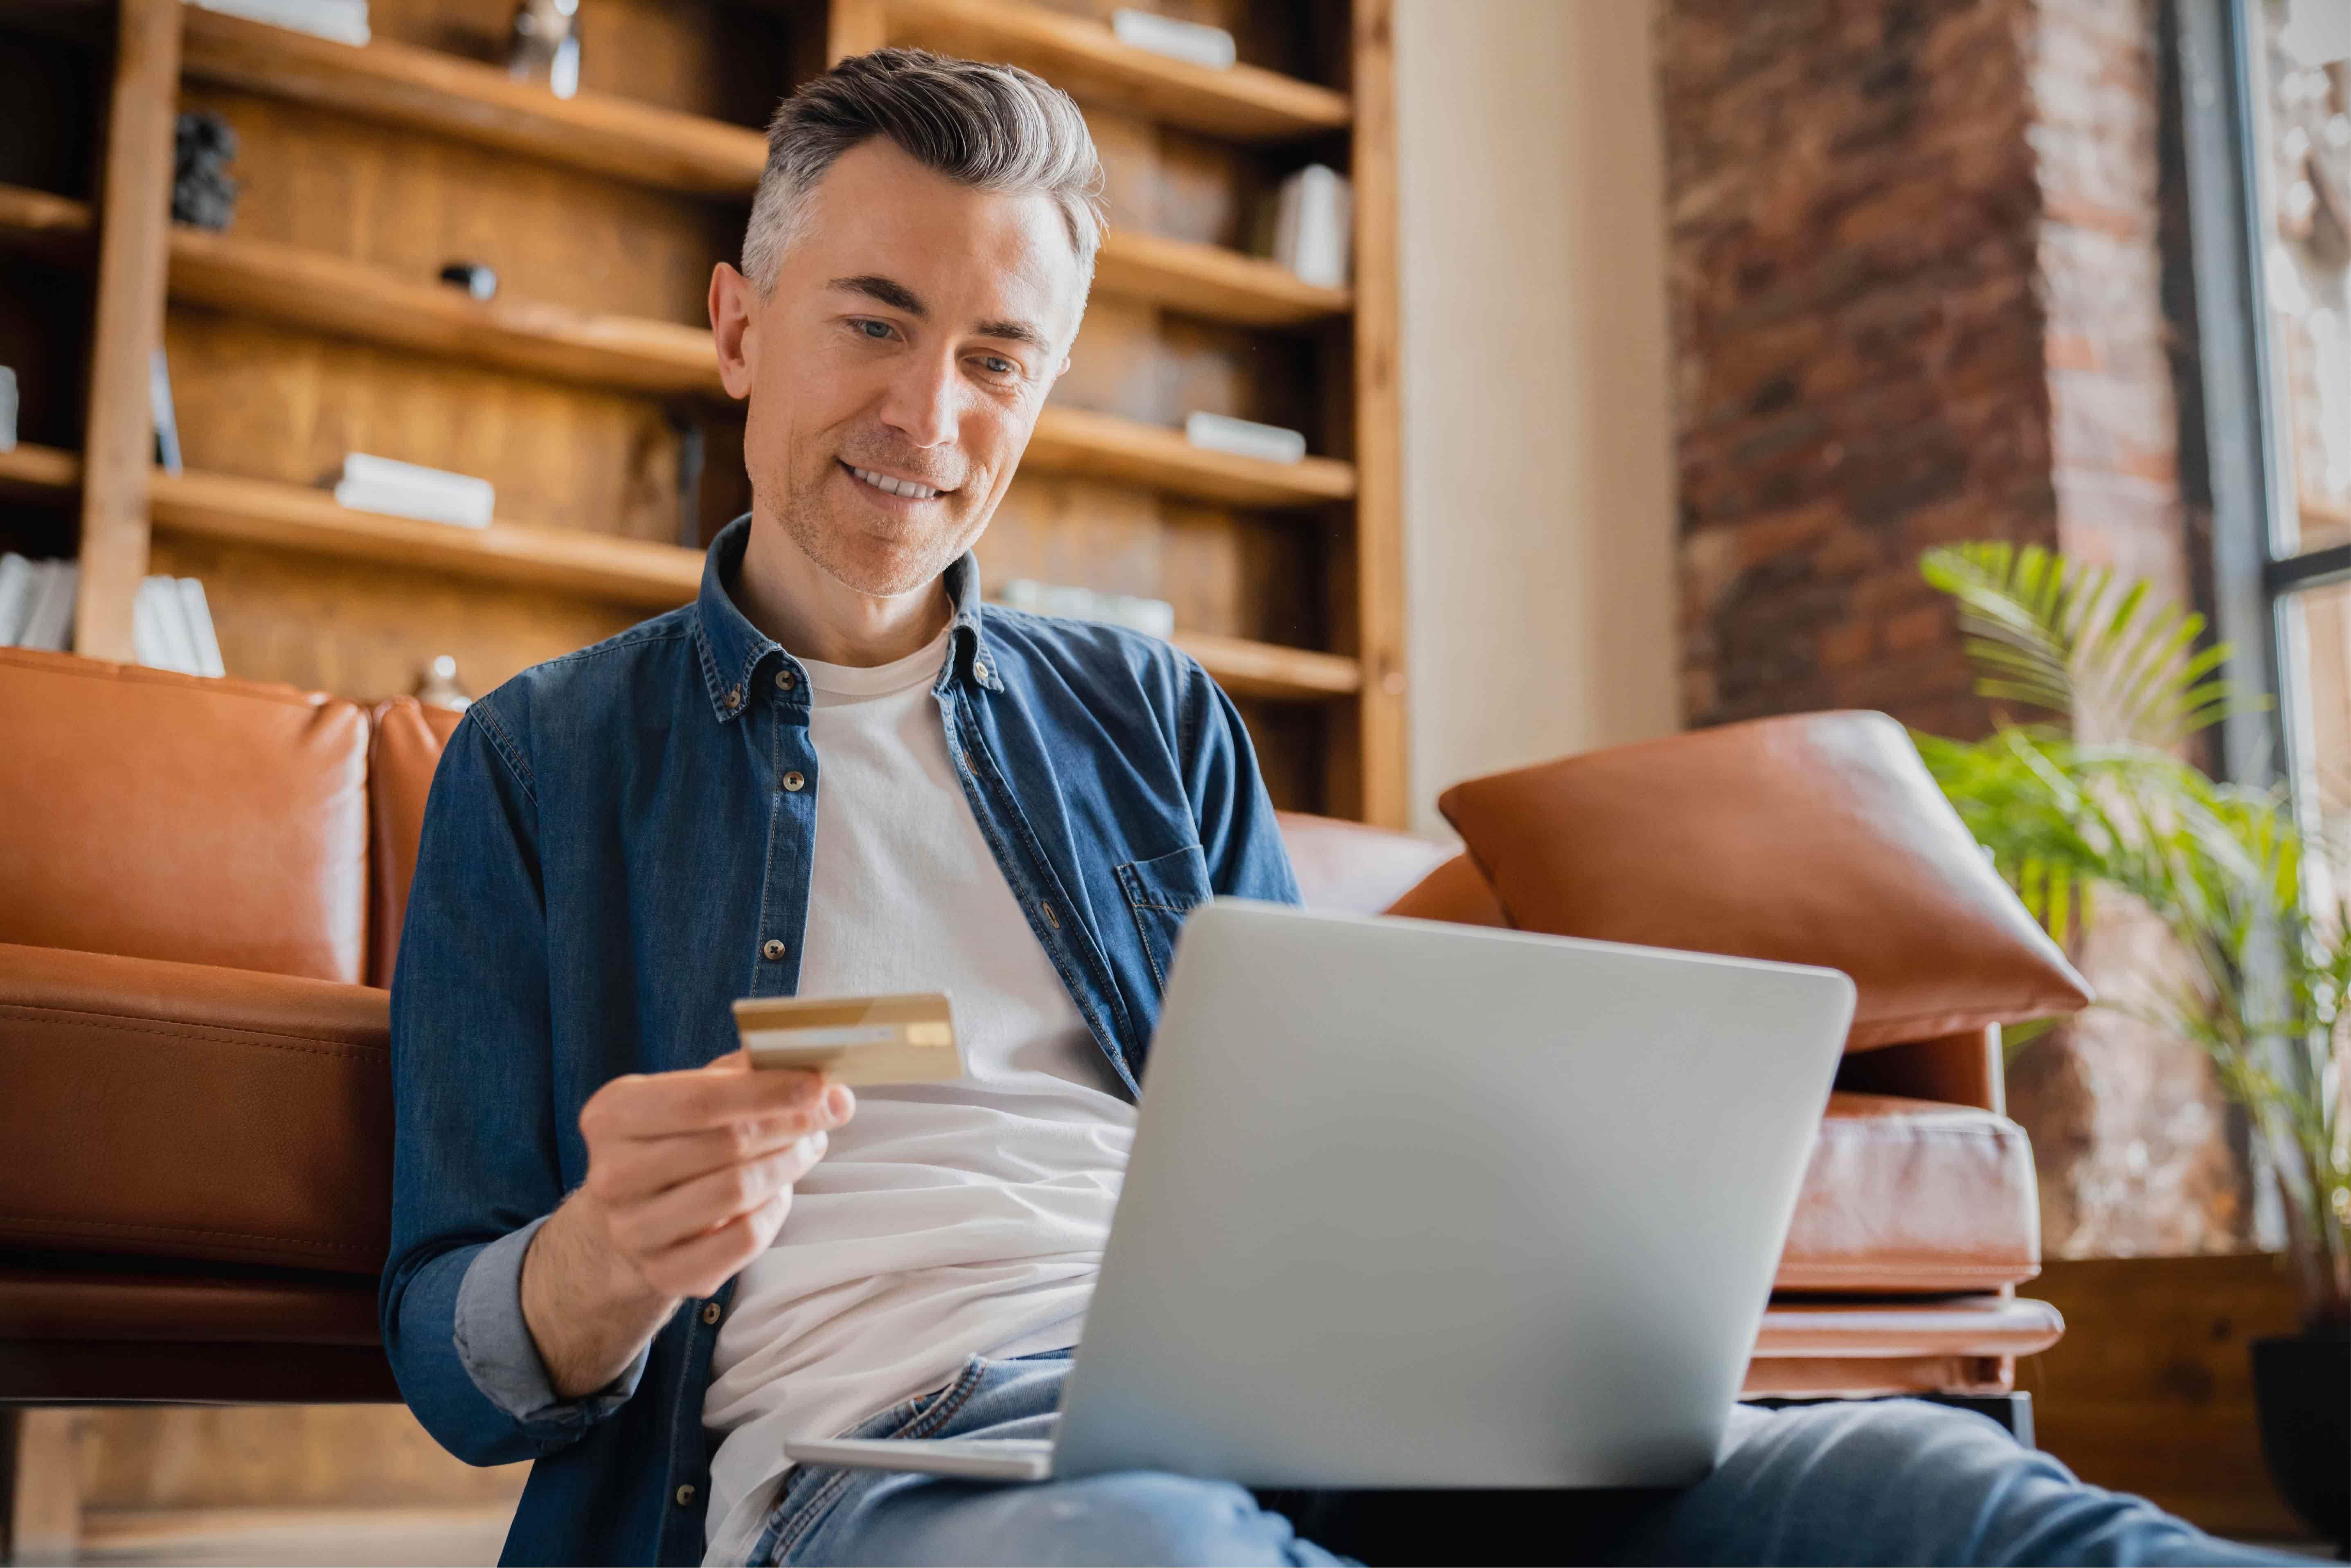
<point x="907" y="489"/>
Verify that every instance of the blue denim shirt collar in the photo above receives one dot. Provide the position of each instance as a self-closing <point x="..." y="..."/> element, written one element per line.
<point x="732" y="649"/>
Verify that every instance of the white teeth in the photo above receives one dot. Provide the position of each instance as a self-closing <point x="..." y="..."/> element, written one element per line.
<point x="905" y="487"/>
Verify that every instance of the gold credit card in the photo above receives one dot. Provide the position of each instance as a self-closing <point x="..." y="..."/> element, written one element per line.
<point x="856" y="1040"/>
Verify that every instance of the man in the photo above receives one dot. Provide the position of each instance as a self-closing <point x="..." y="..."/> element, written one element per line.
<point x="621" y="1252"/>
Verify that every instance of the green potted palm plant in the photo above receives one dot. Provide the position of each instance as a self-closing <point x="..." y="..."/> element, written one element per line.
<point x="2083" y="795"/>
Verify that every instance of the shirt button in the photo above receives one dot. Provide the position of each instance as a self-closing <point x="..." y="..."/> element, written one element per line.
<point x="793" y="782"/>
<point x="710" y="1310"/>
<point x="979" y="668"/>
<point x="685" y="1495"/>
<point x="772" y="950"/>
<point x="734" y="698"/>
<point x="784" y="681"/>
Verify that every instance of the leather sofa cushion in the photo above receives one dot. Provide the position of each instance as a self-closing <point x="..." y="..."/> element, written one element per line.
<point x="1810" y="839"/>
<point x="1455" y="891"/>
<point x="409" y="738"/>
<point x="1911" y="1197"/>
<point x="1351" y="868"/>
<point x="244" y="1117"/>
<point x="167" y="816"/>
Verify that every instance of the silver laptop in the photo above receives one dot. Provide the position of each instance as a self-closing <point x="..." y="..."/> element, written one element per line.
<point x="1421" y="1205"/>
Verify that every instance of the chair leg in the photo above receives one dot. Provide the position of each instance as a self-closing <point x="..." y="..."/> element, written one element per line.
<point x="41" y="1463"/>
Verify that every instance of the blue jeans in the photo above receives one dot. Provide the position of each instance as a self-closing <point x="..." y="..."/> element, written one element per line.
<point x="1887" y="1481"/>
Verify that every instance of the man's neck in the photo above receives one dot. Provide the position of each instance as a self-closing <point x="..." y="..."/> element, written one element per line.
<point x="791" y="599"/>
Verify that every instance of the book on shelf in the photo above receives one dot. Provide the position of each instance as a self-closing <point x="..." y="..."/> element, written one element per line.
<point x="19" y="584"/>
<point x="372" y="484"/>
<point x="1178" y="40"/>
<point x="344" y="21"/>
<point x="1244" y="437"/>
<point x="1312" y="216"/>
<point x="45" y="598"/>
<point x="167" y="418"/>
<point x="7" y="409"/>
<point x="172" y="627"/>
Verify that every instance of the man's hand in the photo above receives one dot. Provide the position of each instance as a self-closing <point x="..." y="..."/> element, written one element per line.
<point x="689" y="1177"/>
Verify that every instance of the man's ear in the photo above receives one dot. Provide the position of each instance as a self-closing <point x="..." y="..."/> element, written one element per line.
<point x="732" y="302"/>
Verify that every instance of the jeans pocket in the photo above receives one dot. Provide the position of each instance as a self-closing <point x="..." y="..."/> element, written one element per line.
<point x="1160" y="892"/>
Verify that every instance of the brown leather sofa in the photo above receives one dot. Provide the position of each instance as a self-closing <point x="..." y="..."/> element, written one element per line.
<point x="200" y="885"/>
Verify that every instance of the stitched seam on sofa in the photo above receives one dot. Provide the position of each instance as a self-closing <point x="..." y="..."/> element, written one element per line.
<point x="136" y="1023"/>
<point x="1921" y="1263"/>
<point x="73" y="1224"/>
<point x="509" y="753"/>
<point x="813" y="1511"/>
<point x="257" y="690"/>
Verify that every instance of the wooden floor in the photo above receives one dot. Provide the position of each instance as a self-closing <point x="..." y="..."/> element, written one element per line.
<point x="2151" y="1389"/>
<point x="360" y="1538"/>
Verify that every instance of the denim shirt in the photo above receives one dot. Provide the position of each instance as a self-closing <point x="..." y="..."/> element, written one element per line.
<point x="618" y="845"/>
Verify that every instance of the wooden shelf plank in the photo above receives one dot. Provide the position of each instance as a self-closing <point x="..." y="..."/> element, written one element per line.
<point x="567" y="560"/>
<point x="56" y="227"/>
<point x="1086" y="60"/>
<point x="1269" y="670"/>
<point x="430" y="90"/>
<point x="1199" y="279"/>
<point x="1211" y="281"/>
<point x="39" y="471"/>
<point x="327" y="294"/>
<point x="291" y="517"/>
<point x="1104" y="447"/>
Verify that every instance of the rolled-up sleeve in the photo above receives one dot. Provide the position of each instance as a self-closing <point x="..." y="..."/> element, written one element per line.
<point x="475" y="1161"/>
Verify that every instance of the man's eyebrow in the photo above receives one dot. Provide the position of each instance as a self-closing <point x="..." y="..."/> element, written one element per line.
<point x="889" y="291"/>
<point x="898" y="297"/>
<point x="1016" y="332"/>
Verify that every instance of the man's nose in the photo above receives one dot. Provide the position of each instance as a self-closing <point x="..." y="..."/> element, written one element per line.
<point x="923" y="401"/>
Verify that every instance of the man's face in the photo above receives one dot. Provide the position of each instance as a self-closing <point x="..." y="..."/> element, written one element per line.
<point x="906" y="348"/>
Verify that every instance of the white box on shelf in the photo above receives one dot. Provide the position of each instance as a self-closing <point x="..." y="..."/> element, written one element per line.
<point x="1312" y="218"/>
<point x="1195" y="41"/>
<point x="160" y="638"/>
<point x="372" y="484"/>
<point x="344" y="21"/>
<point x="199" y="613"/>
<point x="1244" y="437"/>
<point x="1153" y="617"/>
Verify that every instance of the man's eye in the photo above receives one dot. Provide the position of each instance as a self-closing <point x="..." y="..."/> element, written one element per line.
<point x="872" y="329"/>
<point x="998" y="365"/>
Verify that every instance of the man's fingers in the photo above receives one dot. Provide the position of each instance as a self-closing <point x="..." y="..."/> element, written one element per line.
<point x="691" y="1207"/>
<point x="630" y="1170"/>
<point x="699" y="1266"/>
<point x="661" y="1104"/>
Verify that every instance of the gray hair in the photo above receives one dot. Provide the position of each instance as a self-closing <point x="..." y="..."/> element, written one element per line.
<point x="993" y="128"/>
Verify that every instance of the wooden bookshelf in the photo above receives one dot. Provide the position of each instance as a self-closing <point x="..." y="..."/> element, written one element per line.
<point x="651" y="577"/>
<point x="316" y="326"/>
<point x="327" y="294"/>
<point x="1084" y="59"/>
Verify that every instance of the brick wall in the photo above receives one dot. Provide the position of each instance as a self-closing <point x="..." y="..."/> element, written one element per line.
<point x="1917" y="284"/>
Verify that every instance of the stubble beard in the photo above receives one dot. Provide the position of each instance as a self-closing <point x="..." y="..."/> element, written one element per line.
<point x="881" y="565"/>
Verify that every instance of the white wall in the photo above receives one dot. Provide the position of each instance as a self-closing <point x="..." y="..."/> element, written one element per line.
<point x="1539" y="499"/>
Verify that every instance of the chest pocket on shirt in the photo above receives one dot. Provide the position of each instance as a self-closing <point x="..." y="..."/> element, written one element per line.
<point x="1160" y="892"/>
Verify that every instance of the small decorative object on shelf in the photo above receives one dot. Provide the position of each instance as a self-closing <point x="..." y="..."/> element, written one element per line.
<point x="167" y="418"/>
<point x="1195" y="41"/>
<point x="344" y="21"/>
<point x="7" y="409"/>
<point x="1155" y="617"/>
<point x="372" y="483"/>
<point x="203" y="194"/>
<point x="1312" y="217"/>
<point x="546" y="48"/>
<point x="436" y="685"/>
<point x="476" y="279"/>
<point x="1244" y="437"/>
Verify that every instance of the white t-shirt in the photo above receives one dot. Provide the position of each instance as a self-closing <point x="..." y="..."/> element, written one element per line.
<point x="946" y="1220"/>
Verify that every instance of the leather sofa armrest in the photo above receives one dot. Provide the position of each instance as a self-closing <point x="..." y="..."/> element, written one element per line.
<point x="184" y="1111"/>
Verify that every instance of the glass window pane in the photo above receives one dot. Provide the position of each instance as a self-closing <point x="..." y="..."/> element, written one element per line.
<point x="2303" y="130"/>
<point x="2318" y="687"/>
